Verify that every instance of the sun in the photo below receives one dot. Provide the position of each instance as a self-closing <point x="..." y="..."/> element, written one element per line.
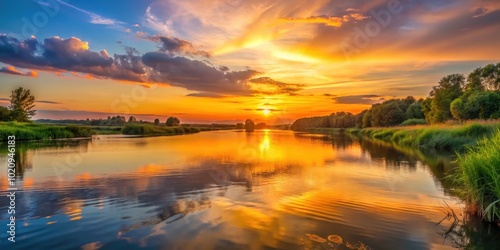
<point x="266" y="112"/>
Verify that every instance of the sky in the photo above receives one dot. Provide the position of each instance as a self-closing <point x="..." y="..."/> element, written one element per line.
<point x="211" y="61"/>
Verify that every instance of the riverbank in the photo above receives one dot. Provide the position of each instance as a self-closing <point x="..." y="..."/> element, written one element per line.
<point x="33" y="131"/>
<point x="37" y="131"/>
<point x="478" y="178"/>
<point x="441" y="138"/>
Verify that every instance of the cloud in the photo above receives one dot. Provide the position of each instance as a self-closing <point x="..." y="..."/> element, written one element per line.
<point x="48" y="102"/>
<point x="358" y="99"/>
<point x="177" y="46"/>
<point x="94" y="18"/>
<point x="60" y="55"/>
<point x="267" y="85"/>
<point x="206" y="94"/>
<point x="13" y="71"/>
<point x="171" y="64"/>
<point x="197" y="75"/>
<point x="332" y="21"/>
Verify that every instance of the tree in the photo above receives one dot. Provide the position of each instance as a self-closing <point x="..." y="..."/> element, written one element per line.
<point x="240" y="125"/>
<point x="249" y="125"/>
<point x="21" y="105"/>
<point x="131" y="119"/>
<point x="449" y="88"/>
<point x="4" y="114"/>
<point x="367" y="119"/>
<point x="173" y="121"/>
<point x="457" y="109"/>
<point x="414" y="111"/>
<point x="157" y="122"/>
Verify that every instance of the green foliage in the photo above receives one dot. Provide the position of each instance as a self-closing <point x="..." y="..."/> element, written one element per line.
<point x="392" y="112"/>
<point x="335" y="120"/>
<point x="4" y="114"/>
<point x="449" y="88"/>
<point x="414" y="111"/>
<point x="157" y="122"/>
<point x="457" y="109"/>
<point x="484" y="78"/>
<point x="432" y="138"/>
<point x="414" y="121"/>
<point x="149" y="129"/>
<point x="28" y="131"/>
<point x="110" y="121"/>
<point x="479" y="177"/>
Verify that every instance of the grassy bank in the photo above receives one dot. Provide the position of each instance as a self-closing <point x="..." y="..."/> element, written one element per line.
<point x="451" y="138"/>
<point x="478" y="177"/>
<point x="32" y="131"/>
<point x="148" y="129"/>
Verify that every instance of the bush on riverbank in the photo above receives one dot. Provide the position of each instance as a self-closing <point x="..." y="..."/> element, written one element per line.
<point x="440" y="138"/>
<point x="31" y="131"/>
<point x="147" y="129"/>
<point x="478" y="177"/>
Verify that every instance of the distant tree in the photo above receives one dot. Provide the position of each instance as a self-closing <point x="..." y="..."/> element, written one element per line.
<point x="173" y="121"/>
<point x="21" y="105"/>
<point x="261" y="125"/>
<point x="359" y="119"/>
<point x="249" y="125"/>
<point x="132" y="119"/>
<point x="367" y="119"/>
<point x="240" y="125"/>
<point x="157" y="121"/>
<point x="4" y="114"/>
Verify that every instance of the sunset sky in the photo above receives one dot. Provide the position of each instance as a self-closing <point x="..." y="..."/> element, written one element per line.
<point x="228" y="60"/>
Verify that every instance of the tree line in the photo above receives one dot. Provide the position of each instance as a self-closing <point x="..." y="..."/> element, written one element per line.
<point x="455" y="97"/>
<point x="21" y="109"/>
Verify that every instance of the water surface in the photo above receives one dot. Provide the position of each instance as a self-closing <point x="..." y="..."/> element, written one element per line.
<point x="232" y="190"/>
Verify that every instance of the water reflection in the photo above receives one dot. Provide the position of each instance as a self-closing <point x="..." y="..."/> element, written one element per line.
<point x="232" y="190"/>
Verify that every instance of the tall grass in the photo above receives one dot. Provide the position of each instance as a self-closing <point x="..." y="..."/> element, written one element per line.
<point x="479" y="177"/>
<point x="148" y="129"/>
<point x="434" y="138"/>
<point x="31" y="131"/>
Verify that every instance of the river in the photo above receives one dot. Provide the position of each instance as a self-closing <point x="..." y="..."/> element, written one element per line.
<point x="233" y="190"/>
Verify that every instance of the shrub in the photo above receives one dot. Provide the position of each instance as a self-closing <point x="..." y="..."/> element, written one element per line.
<point x="478" y="177"/>
<point x="412" y="122"/>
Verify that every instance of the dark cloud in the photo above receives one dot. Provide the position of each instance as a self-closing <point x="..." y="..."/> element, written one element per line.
<point x="172" y="65"/>
<point x="48" y="102"/>
<point x="358" y="99"/>
<point x="329" y="95"/>
<point x="60" y="55"/>
<point x="206" y="94"/>
<point x="13" y="71"/>
<point x="197" y="75"/>
<point x="271" y="86"/>
<point x="176" y="46"/>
